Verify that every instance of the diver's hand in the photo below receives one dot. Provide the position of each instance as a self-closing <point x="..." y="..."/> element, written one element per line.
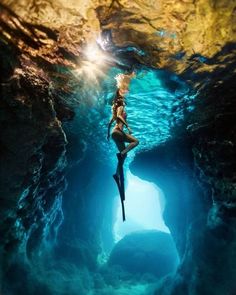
<point x="133" y="74"/>
<point x="130" y="131"/>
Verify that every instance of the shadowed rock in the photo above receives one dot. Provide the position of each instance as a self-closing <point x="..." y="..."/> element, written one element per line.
<point x="146" y="252"/>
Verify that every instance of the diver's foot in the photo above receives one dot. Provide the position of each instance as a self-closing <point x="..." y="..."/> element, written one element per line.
<point x="121" y="157"/>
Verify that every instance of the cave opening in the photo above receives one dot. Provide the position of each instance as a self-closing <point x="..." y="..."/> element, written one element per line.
<point x="144" y="237"/>
<point x="144" y="207"/>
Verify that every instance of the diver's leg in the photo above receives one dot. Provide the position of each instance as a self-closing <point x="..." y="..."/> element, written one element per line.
<point x="121" y="146"/>
<point x="133" y="142"/>
<point x="118" y="137"/>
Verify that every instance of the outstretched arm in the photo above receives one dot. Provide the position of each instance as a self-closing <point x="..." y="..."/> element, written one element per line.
<point x="109" y="127"/>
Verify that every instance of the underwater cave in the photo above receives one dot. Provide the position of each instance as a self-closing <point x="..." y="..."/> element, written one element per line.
<point x="62" y="230"/>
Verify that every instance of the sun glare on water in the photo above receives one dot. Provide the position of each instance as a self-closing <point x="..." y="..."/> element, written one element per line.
<point x="94" y="64"/>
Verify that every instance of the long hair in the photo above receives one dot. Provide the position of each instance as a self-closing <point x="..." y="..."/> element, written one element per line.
<point x="117" y="102"/>
<point x="122" y="83"/>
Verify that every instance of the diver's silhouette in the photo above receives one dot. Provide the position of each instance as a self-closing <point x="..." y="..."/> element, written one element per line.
<point x="120" y="137"/>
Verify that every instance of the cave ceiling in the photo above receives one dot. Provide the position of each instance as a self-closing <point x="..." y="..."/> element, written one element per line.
<point x="192" y="41"/>
<point x="165" y="29"/>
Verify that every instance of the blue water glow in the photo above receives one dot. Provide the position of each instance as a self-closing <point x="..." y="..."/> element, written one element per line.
<point x="154" y="105"/>
<point x="144" y="205"/>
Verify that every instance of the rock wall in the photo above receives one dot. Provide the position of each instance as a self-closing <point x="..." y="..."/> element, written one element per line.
<point x="170" y="167"/>
<point x="38" y="153"/>
<point x="196" y="170"/>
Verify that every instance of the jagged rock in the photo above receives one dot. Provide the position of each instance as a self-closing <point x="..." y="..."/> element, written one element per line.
<point x="166" y="30"/>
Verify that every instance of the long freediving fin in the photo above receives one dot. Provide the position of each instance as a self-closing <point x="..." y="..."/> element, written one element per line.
<point x="121" y="193"/>
<point x="122" y="181"/>
<point x="123" y="210"/>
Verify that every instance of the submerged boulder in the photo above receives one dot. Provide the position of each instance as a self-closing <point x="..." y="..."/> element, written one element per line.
<point x="147" y="251"/>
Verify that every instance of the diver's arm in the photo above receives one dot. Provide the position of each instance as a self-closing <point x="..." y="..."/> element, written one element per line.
<point x="119" y="112"/>
<point x="109" y="127"/>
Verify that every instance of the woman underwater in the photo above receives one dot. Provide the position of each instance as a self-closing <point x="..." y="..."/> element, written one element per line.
<point x="119" y="115"/>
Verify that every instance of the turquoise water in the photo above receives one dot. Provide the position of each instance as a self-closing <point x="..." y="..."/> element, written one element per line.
<point x="154" y="105"/>
<point x="144" y="206"/>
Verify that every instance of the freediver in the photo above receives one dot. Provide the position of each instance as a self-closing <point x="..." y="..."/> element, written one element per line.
<point x="119" y="115"/>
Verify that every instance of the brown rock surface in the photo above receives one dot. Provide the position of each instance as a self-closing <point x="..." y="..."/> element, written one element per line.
<point x="161" y="28"/>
